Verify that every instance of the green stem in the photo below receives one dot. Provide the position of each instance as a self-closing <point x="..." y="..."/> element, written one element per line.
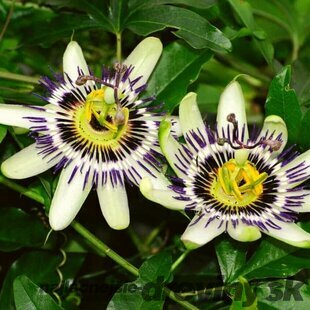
<point x="18" y="77"/>
<point x="23" y="190"/>
<point x="179" y="260"/>
<point x="205" y="291"/>
<point x="179" y="299"/>
<point x="93" y="240"/>
<point x="95" y="243"/>
<point x="119" y="47"/>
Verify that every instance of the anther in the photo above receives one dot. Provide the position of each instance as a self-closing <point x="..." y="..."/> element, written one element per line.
<point x="221" y="141"/>
<point x="119" y="118"/>
<point x="231" y="118"/>
<point x="120" y="68"/>
<point x="274" y="144"/>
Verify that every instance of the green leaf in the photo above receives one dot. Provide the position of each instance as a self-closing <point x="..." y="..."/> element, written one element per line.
<point x="284" y="20"/>
<point x="178" y="67"/>
<point x="19" y="229"/>
<point x="304" y="137"/>
<point x="27" y="295"/>
<point x="3" y="132"/>
<point x="244" y="11"/>
<point x="118" y="13"/>
<point x="231" y="256"/>
<point x="62" y="25"/>
<point x="138" y="295"/>
<point x="97" y="10"/>
<point x="282" y="101"/>
<point x="283" y="294"/>
<point x="274" y="259"/>
<point x="156" y="267"/>
<point x="199" y="4"/>
<point x="193" y="28"/>
<point x="146" y="293"/>
<point x="40" y="267"/>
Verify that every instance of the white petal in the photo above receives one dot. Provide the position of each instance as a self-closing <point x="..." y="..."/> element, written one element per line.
<point x="232" y="102"/>
<point x="17" y="115"/>
<point x="72" y="60"/>
<point x="114" y="204"/>
<point x="157" y="177"/>
<point x="303" y="160"/>
<point x="190" y="117"/>
<point x="305" y="205"/>
<point x="291" y="234"/>
<point x="175" y="124"/>
<point x="68" y="198"/>
<point x="144" y="58"/>
<point x="26" y="163"/>
<point x="244" y="233"/>
<point x="197" y="234"/>
<point x="301" y="199"/>
<point x="163" y="197"/>
<point x="171" y="149"/>
<point x="274" y="124"/>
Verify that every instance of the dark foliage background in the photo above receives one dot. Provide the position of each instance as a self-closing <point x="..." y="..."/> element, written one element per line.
<point x="206" y="44"/>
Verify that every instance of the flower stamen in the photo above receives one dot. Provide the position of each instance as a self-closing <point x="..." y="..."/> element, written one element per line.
<point x="238" y="184"/>
<point x="231" y="118"/>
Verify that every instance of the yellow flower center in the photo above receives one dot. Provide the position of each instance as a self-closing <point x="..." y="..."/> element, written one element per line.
<point x="99" y="121"/>
<point x="238" y="184"/>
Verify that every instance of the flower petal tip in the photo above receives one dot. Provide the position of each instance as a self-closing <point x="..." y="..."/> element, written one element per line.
<point x="119" y="225"/>
<point x="152" y="43"/>
<point x="245" y="233"/>
<point x="305" y="244"/>
<point x="191" y="245"/>
<point x="73" y="59"/>
<point x="275" y="119"/>
<point x="6" y="171"/>
<point x="188" y="96"/>
<point x="144" y="59"/>
<point x="56" y="224"/>
<point x="232" y="94"/>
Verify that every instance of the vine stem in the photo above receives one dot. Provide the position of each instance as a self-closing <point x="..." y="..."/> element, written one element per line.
<point x="179" y="260"/>
<point x="21" y="189"/>
<point x="98" y="244"/>
<point x="95" y="243"/>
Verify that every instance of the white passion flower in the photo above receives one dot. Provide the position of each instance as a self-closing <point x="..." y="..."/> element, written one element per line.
<point x="95" y="131"/>
<point x="235" y="183"/>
